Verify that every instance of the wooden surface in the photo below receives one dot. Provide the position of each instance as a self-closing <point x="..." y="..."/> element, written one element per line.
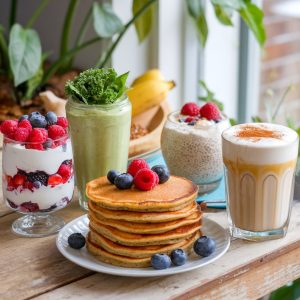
<point x="34" y="269"/>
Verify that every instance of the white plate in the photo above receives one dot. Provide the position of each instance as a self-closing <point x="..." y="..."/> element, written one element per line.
<point x="84" y="259"/>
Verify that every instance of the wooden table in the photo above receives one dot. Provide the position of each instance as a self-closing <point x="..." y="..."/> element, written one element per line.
<point x="32" y="268"/>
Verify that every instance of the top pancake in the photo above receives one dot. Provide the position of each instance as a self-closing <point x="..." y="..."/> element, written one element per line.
<point x="169" y="196"/>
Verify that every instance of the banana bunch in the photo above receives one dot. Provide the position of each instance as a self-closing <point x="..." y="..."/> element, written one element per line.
<point x="148" y="90"/>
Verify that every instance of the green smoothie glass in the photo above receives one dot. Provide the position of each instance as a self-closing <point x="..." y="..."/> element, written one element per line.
<point x="100" y="139"/>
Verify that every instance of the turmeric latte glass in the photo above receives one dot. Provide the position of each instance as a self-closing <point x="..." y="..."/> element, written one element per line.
<point x="260" y="161"/>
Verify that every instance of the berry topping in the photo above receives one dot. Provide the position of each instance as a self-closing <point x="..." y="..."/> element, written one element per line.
<point x="65" y="172"/>
<point x="210" y="111"/>
<point x="37" y="120"/>
<point x="192" y="123"/>
<point x="56" y="132"/>
<point x="21" y="134"/>
<point x="24" y="117"/>
<point x="35" y="146"/>
<point x="157" y="178"/>
<point x="162" y="172"/>
<point x="51" y="118"/>
<point x="76" y="240"/>
<point x="178" y="257"/>
<point x="29" y="207"/>
<point x="190" y="109"/>
<point x="63" y="122"/>
<point x="18" y="180"/>
<point x="112" y="174"/>
<point x="68" y="162"/>
<point x="11" y="204"/>
<point x="38" y="176"/>
<point x="160" y="261"/>
<point x="189" y="119"/>
<point x="145" y="179"/>
<point x="37" y="135"/>
<point x="123" y="181"/>
<point x="204" y="246"/>
<point x="37" y="184"/>
<point x="55" y="180"/>
<point x="136" y="165"/>
<point x="48" y="144"/>
<point x="8" y="128"/>
<point x="25" y="124"/>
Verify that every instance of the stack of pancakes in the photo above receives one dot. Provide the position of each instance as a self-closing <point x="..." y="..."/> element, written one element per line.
<point x="128" y="226"/>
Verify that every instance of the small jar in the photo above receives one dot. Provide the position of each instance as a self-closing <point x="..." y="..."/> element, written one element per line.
<point x="194" y="151"/>
<point x="100" y="139"/>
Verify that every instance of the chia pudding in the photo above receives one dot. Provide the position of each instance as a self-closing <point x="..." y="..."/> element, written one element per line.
<point x="192" y="148"/>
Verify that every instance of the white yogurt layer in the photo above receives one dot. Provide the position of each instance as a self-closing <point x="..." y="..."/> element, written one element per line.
<point x="15" y="157"/>
<point x="45" y="196"/>
<point x="264" y="150"/>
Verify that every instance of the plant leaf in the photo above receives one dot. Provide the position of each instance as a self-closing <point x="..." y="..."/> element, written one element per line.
<point x="197" y="13"/>
<point x="143" y="24"/>
<point x="223" y="14"/>
<point x="232" y="121"/>
<point x="24" y="52"/>
<point x="121" y="83"/>
<point x="256" y="119"/>
<point x="233" y="4"/>
<point x="106" y="22"/>
<point x="253" y="17"/>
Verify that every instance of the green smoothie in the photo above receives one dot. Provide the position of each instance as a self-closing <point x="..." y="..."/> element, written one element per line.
<point x="99" y="130"/>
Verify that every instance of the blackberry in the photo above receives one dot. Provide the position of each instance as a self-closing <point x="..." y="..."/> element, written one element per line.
<point x="68" y="162"/>
<point x="40" y="176"/>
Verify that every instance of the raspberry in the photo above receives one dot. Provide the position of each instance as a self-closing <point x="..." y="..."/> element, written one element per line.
<point x="35" y="146"/>
<point x="63" y="122"/>
<point x="157" y="178"/>
<point x="65" y="172"/>
<point x="56" y="132"/>
<point x="11" y="204"/>
<point x="29" y="207"/>
<point x="210" y="111"/>
<point x="45" y="133"/>
<point x="189" y="119"/>
<point x="8" y="128"/>
<point x="145" y="179"/>
<point x="136" y="165"/>
<point x="25" y="124"/>
<point x="37" y="135"/>
<point x="18" y="180"/>
<point x="55" y="180"/>
<point x="21" y="134"/>
<point x="190" y="109"/>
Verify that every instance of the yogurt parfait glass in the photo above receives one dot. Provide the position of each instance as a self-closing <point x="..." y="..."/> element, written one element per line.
<point x="37" y="182"/>
<point x="192" y="148"/>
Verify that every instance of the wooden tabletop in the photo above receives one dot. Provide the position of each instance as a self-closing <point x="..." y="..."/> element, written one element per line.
<point x="32" y="268"/>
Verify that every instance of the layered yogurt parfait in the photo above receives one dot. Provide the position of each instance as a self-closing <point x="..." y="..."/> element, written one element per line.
<point x="191" y="144"/>
<point x="37" y="167"/>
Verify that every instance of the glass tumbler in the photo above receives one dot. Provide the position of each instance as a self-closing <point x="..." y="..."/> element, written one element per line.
<point x="37" y="182"/>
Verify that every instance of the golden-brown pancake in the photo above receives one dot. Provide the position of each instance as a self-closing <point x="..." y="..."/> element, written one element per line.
<point x="169" y="196"/>
<point x="141" y="251"/>
<point x="133" y="239"/>
<point x="144" y="217"/>
<point x="147" y="228"/>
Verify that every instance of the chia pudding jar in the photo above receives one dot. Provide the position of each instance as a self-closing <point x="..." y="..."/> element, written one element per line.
<point x="194" y="150"/>
<point x="36" y="183"/>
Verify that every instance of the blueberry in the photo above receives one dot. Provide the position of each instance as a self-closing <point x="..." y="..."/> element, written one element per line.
<point x="48" y="144"/>
<point x="178" y="257"/>
<point x="112" y="174"/>
<point x="37" y="184"/>
<point x="24" y="117"/>
<point x="37" y="120"/>
<point x="162" y="172"/>
<point x="160" y="261"/>
<point x="204" y="246"/>
<point x="192" y="123"/>
<point x="76" y="240"/>
<point x="123" y="181"/>
<point x="51" y="118"/>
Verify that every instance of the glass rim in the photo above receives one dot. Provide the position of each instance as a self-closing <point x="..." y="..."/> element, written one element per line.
<point x="5" y="138"/>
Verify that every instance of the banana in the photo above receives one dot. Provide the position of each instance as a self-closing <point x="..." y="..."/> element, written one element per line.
<point x="153" y="74"/>
<point x="147" y="94"/>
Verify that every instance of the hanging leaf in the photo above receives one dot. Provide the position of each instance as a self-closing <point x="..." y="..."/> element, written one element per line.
<point x="106" y="22"/>
<point x="24" y="52"/>
<point x="253" y="17"/>
<point x="143" y="24"/>
<point x="197" y="12"/>
<point x="232" y="4"/>
<point x="223" y="14"/>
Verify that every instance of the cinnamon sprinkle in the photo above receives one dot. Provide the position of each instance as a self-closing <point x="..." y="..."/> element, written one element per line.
<point x="257" y="133"/>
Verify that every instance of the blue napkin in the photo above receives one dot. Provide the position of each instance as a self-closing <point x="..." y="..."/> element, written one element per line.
<point x="156" y="158"/>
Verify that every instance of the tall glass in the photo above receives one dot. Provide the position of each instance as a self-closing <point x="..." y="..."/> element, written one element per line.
<point x="194" y="152"/>
<point x="260" y="161"/>
<point x="36" y="183"/>
<point x="100" y="139"/>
